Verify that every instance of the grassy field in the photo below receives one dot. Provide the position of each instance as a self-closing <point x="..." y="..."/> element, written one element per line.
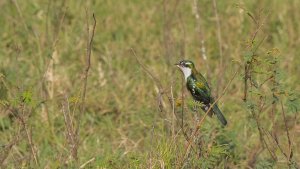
<point x="133" y="110"/>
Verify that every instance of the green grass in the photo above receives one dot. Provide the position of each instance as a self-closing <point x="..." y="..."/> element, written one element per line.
<point x="42" y="53"/>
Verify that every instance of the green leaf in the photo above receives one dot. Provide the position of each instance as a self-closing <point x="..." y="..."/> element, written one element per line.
<point x="27" y="97"/>
<point x="248" y="56"/>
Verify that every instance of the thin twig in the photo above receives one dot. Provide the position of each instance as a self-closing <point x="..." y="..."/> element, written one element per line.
<point x="86" y="71"/>
<point x="182" y="102"/>
<point x="28" y="134"/>
<point x="248" y="65"/>
<point x="246" y="76"/>
<point x="7" y="148"/>
<point x="88" y="63"/>
<point x="155" y="79"/>
<point x="173" y="113"/>
<point x="287" y="134"/>
<point x="261" y="130"/>
<point x="269" y="78"/>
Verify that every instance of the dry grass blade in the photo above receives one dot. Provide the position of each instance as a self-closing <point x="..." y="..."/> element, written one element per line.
<point x="86" y="163"/>
<point x="70" y="128"/>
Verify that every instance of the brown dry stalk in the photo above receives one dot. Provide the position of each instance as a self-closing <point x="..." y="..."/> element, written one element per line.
<point x="85" y="77"/>
<point x="290" y="151"/>
<point x="88" y="62"/>
<point x="261" y="130"/>
<point x="7" y="148"/>
<point x="28" y="134"/>
<point x="173" y="113"/>
<point x="70" y="131"/>
<point x="246" y="82"/>
<point x="247" y="74"/>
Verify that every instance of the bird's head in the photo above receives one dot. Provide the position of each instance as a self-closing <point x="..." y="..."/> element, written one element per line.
<point x="187" y="67"/>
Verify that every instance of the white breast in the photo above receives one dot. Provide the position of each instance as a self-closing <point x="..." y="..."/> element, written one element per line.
<point x="186" y="72"/>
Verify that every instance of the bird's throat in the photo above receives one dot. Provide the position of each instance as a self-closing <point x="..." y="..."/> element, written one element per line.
<point x="186" y="72"/>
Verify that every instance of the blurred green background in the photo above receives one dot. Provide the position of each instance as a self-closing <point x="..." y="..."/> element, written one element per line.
<point x="127" y="122"/>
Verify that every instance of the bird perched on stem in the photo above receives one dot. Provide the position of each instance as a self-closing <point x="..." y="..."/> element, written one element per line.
<point x="198" y="87"/>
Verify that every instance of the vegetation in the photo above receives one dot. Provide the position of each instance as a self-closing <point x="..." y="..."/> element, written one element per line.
<point x="103" y="92"/>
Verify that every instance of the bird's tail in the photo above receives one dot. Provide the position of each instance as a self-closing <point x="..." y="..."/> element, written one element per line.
<point x="219" y="114"/>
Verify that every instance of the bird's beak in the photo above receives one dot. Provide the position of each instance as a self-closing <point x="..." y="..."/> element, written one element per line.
<point x="176" y="64"/>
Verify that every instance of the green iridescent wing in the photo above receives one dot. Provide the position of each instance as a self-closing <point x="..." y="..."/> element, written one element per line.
<point x="203" y="85"/>
<point x="199" y="90"/>
<point x="204" y="91"/>
<point x="200" y="78"/>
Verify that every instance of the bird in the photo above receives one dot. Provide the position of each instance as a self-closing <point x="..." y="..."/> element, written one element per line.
<point x="199" y="89"/>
